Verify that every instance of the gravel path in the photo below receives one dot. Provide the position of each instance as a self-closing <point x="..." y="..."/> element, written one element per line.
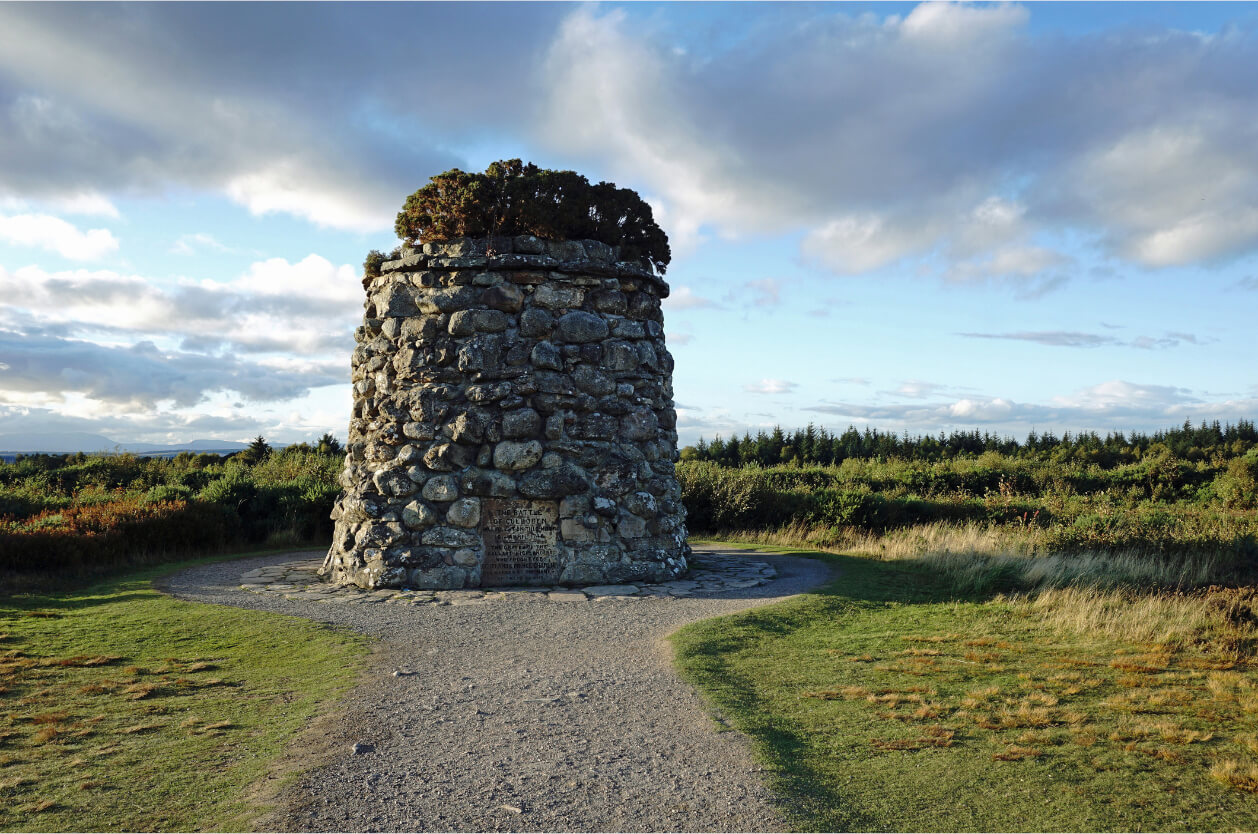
<point x="526" y="715"/>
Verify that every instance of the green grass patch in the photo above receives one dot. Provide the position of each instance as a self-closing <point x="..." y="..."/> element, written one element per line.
<point x="124" y="709"/>
<point x="885" y="702"/>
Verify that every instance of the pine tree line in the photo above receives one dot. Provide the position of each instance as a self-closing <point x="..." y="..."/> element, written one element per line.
<point x="818" y="446"/>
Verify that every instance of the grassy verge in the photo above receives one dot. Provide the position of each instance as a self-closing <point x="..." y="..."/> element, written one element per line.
<point x="124" y="709"/>
<point x="887" y="701"/>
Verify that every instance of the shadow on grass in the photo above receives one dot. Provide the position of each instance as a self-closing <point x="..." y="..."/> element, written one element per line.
<point x="860" y="584"/>
<point x="76" y="590"/>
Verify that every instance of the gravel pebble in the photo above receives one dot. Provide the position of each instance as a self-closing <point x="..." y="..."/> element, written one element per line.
<point x="570" y="713"/>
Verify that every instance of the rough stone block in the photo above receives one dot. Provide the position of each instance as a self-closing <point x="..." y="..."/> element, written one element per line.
<point x="440" y="489"/>
<point x="447" y="457"/>
<point x="546" y="356"/>
<point x="580" y="326"/>
<point x="464" y="512"/>
<point x="536" y="323"/>
<point x="555" y="297"/>
<point x="510" y="455"/>
<point x="505" y="297"/>
<point x="521" y="423"/>
<point x="418" y="516"/>
<point x="449" y="537"/>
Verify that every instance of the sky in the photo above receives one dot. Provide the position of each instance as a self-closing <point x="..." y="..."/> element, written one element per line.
<point x="1004" y="217"/>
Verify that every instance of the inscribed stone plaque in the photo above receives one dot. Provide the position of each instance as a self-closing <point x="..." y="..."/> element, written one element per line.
<point x="520" y="542"/>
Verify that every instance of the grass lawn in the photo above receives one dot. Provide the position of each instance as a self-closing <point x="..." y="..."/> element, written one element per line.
<point x="882" y="702"/>
<point x="124" y="709"/>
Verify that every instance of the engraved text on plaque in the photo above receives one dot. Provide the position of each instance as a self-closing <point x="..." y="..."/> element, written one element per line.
<point x="520" y="542"/>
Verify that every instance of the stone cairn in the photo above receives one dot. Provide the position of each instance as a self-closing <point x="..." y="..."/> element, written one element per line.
<point x="513" y="422"/>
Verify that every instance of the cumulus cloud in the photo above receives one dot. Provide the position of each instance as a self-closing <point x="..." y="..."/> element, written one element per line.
<point x="144" y="426"/>
<point x="953" y="132"/>
<point x="918" y="389"/>
<point x="140" y="98"/>
<point x="1111" y="405"/>
<point x="294" y="306"/>
<point x="274" y="332"/>
<point x="141" y="376"/>
<point x="53" y="234"/>
<point x="771" y="386"/>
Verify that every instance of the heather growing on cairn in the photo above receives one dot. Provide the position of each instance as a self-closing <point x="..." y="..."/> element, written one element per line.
<point x="513" y="198"/>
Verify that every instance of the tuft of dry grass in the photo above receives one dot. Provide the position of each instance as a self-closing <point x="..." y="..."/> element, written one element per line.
<point x="140" y="728"/>
<point x="1015" y="753"/>
<point x="1031" y="737"/>
<point x="47" y="718"/>
<point x="138" y="691"/>
<point x="47" y="733"/>
<point x="1188" y="622"/>
<point x="935" y="736"/>
<point x="1247" y="740"/>
<point x="1240" y="775"/>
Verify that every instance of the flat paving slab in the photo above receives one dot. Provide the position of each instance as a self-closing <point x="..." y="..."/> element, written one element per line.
<point x="711" y="572"/>
<point x="523" y="710"/>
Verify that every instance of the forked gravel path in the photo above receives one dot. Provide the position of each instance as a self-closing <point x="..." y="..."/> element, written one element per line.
<point x="525" y="715"/>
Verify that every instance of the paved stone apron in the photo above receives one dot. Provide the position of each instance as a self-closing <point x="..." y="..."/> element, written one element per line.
<point x="711" y="573"/>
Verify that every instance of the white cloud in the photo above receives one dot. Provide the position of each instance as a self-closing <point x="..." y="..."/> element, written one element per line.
<point x="858" y="243"/>
<point x="616" y="96"/>
<point x="1114" y="405"/>
<point x="274" y="332"/>
<point x="285" y="186"/>
<point x="1121" y="395"/>
<point x="143" y="100"/>
<point x="53" y="234"/>
<point x="953" y="25"/>
<point x="141" y="376"/>
<point x="684" y="298"/>
<point x="983" y="411"/>
<point x="901" y="144"/>
<point x="918" y="389"/>
<point x="143" y="426"/>
<point x="771" y="386"/>
<point x="1177" y="193"/>
<point x="312" y="277"/>
<point x="91" y="203"/>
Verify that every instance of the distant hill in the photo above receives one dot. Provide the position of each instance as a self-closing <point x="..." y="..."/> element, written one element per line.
<point x="60" y="443"/>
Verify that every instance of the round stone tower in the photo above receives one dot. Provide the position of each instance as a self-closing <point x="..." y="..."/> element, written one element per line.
<point x="513" y="422"/>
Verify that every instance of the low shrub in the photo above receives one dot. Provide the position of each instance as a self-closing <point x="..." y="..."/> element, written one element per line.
<point x="127" y="532"/>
